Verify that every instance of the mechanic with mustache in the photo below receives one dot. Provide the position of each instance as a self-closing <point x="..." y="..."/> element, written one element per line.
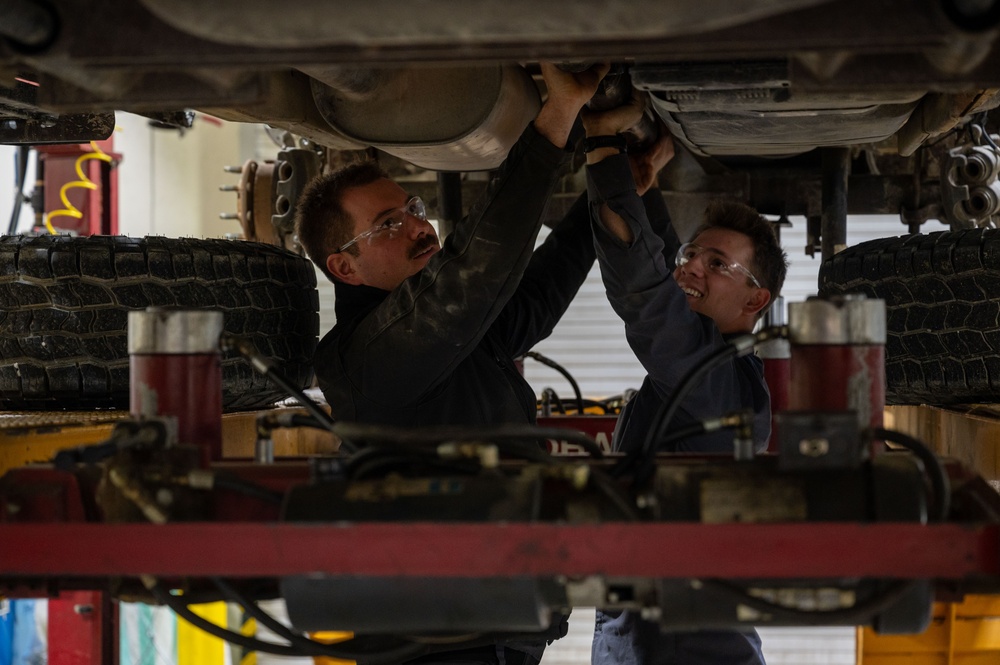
<point x="680" y="304"/>
<point x="428" y="334"/>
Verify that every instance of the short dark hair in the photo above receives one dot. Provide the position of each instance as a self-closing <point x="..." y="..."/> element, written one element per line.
<point x="321" y="223"/>
<point x="769" y="263"/>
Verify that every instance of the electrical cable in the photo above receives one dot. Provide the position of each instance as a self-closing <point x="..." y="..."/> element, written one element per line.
<point x="665" y="414"/>
<point x="685" y="433"/>
<point x="604" y="483"/>
<point x="549" y="397"/>
<point x="986" y="133"/>
<point x="641" y="459"/>
<point x="936" y="471"/>
<point x="857" y="614"/>
<point x="713" y="425"/>
<point x="312" y="647"/>
<point x="234" y="484"/>
<point x="180" y="607"/>
<point x="407" y="461"/>
<point x="644" y="457"/>
<point x="431" y="435"/>
<point x="20" y="177"/>
<point x="601" y="405"/>
<point x="309" y="405"/>
<point x="562" y="370"/>
<point x="265" y="367"/>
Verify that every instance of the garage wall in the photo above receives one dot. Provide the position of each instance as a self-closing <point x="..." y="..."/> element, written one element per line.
<point x="168" y="181"/>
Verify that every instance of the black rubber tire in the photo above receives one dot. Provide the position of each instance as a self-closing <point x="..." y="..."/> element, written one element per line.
<point x="942" y="294"/>
<point x="64" y="304"/>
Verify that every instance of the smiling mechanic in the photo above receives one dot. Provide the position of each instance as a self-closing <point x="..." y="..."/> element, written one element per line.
<point x="680" y="303"/>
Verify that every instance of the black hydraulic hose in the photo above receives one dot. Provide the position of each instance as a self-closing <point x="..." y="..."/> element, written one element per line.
<point x="562" y="370"/>
<point x="607" y="485"/>
<point x="234" y="484"/>
<point x="417" y="436"/>
<point x="684" y="433"/>
<point x="265" y="366"/>
<point x="937" y="473"/>
<point x="737" y="347"/>
<point x="986" y="133"/>
<point x="549" y="397"/>
<point x="309" y="405"/>
<point x="370" y="461"/>
<point x="549" y="394"/>
<point x="312" y="647"/>
<point x="665" y="415"/>
<point x="268" y="421"/>
<point x="180" y="607"/>
<point x="739" y="419"/>
<point x="642" y="458"/>
<point x="254" y="610"/>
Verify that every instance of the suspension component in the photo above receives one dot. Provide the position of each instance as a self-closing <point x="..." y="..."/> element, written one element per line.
<point x="970" y="187"/>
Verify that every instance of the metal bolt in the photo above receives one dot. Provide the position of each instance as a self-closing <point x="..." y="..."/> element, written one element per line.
<point x="164" y="497"/>
<point x="228" y="188"/>
<point x="814" y="447"/>
<point x="743" y="450"/>
<point x="83" y="610"/>
<point x="147" y="435"/>
<point x="650" y="613"/>
<point x="264" y="450"/>
<point x="229" y="215"/>
<point x="233" y="169"/>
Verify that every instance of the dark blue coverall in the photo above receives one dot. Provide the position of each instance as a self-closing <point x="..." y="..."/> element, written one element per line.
<point x="669" y="339"/>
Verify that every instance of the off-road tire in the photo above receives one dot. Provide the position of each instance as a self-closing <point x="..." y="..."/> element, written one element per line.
<point x="64" y="304"/>
<point x="942" y="295"/>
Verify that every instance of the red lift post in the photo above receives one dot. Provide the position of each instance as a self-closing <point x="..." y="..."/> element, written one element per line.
<point x="94" y="197"/>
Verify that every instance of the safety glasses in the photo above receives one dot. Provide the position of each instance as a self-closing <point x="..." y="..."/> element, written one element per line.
<point x="390" y="223"/>
<point x="714" y="261"/>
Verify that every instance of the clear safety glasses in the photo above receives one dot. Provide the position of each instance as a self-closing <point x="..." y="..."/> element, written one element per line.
<point x="714" y="261"/>
<point x="390" y="223"/>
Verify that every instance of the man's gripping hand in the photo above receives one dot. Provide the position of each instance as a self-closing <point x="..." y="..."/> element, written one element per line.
<point x="647" y="164"/>
<point x="567" y="93"/>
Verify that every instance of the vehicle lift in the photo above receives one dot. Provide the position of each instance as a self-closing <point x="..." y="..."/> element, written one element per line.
<point x="404" y="532"/>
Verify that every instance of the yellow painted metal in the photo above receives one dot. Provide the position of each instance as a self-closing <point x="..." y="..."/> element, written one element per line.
<point x="195" y="646"/>
<point x="966" y="633"/>
<point x="27" y="438"/>
<point x="331" y="637"/>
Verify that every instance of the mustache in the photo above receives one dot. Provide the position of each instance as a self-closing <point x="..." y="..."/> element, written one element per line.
<point x="423" y="244"/>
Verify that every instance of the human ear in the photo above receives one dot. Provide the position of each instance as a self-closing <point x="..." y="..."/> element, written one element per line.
<point x="341" y="265"/>
<point x="757" y="301"/>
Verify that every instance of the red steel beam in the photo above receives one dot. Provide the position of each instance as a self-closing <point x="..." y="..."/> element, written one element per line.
<point x="782" y="551"/>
